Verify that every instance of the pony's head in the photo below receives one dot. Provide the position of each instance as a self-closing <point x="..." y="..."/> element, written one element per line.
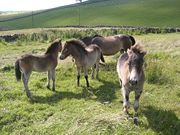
<point x="56" y="46"/>
<point x="65" y="51"/>
<point x="136" y="59"/>
<point x="70" y="46"/>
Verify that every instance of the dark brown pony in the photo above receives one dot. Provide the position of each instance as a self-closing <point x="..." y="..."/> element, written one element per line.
<point x="131" y="76"/>
<point x="47" y="62"/>
<point x="85" y="57"/>
<point x="112" y="44"/>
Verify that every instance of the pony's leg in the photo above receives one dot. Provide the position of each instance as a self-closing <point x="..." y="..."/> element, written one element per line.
<point x="125" y="94"/>
<point x="136" y="105"/>
<point x="86" y="76"/>
<point x="53" y="79"/>
<point x="97" y="70"/>
<point x="93" y="68"/>
<point x="120" y="82"/>
<point x="78" y="75"/>
<point x="25" y="78"/>
<point x="48" y="79"/>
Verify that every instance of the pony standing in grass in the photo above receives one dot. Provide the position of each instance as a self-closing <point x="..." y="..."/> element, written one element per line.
<point x="43" y="63"/>
<point x="131" y="76"/>
<point x="85" y="57"/>
<point x="110" y="45"/>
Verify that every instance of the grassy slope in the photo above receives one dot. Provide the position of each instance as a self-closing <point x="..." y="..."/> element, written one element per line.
<point x="161" y="13"/>
<point x="96" y="110"/>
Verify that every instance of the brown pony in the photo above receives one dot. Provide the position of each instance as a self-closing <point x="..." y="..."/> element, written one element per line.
<point x="47" y="62"/>
<point x="85" y="57"/>
<point x="131" y="76"/>
<point x="112" y="44"/>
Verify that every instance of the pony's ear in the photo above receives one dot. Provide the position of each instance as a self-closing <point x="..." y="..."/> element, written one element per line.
<point x="57" y="41"/>
<point x="143" y="53"/>
<point x="129" y="51"/>
<point x="67" y="42"/>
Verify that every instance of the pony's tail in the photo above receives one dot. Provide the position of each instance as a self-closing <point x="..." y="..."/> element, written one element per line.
<point x="132" y="39"/>
<point x="17" y="71"/>
<point x="102" y="58"/>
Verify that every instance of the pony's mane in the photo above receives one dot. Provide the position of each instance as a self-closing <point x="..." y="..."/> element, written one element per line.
<point x="78" y="43"/>
<point x="97" y="36"/>
<point x="138" y="48"/>
<point x="53" y="46"/>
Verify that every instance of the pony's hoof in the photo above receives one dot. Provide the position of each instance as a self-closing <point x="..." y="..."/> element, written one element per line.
<point x="126" y="112"/>
<point x="32" y="101"/>
<point x="30" y="98"/>
<point x="135" y="119"/>
<point x="48" y="87"/>
<point x="78" y="84"/>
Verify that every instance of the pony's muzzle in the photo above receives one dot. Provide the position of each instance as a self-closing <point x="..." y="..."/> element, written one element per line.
<point x="61" y="57"/>
<point x="133" y="79"/>
<point x="133" y="82"/>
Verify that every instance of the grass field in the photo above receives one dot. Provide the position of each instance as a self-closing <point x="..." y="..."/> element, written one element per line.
<point x="94" y="110"/>
<point x="154" y="13"/>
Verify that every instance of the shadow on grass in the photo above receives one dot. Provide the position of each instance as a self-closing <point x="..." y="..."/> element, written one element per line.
<point x="106" y="92"/>
<point x="103" y="93"/>
<point x="108" y="67"/>
<point x="178" y="94"/>
<point x="57" y="96"/>
<point x="162" y="121"/>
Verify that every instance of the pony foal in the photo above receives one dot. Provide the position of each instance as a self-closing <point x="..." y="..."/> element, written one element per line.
<point x="47" y="62"/>
<point x="131" y="76"/>
<point x="85" y="57"/>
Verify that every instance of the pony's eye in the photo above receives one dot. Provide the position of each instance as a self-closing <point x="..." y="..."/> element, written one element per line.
<point x="65" y="50"/>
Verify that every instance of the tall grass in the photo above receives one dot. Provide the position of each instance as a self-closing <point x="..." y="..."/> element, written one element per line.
<point x="50" y="35"/>
<point x="155" y="69"/>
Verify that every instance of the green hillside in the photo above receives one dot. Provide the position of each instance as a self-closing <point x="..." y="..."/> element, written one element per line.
<point x="161" y="13"/>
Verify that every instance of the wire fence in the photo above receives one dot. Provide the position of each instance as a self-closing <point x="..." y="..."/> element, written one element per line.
<point x="30" y="14"/>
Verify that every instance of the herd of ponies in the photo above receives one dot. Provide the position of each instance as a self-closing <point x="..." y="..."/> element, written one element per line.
<point x="87" y="52"/>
